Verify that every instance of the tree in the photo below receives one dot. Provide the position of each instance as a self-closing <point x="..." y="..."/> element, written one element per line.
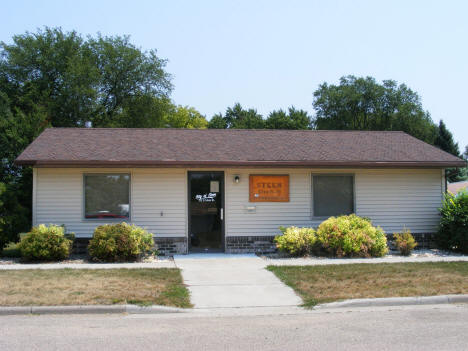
<point x="185" y="117"/>
<point x="17" y="129"/>
<point x="293" y="119"/>
<point x="363" y="104"/>
<point x="125" y="75"/>
<point x="217" y="122"/>
<point x="77" y="80"/>
<point x="60" y="79"/>
<point x="444" y="140"/>
<point x="238" y="118"/>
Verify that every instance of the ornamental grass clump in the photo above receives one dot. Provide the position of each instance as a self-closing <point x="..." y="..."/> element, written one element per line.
<point x="404" y="242"/>
<point x="45" y="243"/>
<point x="351" y="236"/>
<point x="296" y="241"/>
<point x="120" y="242"/>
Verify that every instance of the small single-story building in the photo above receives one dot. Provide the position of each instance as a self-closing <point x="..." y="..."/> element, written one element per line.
<point x="231" y="190"/>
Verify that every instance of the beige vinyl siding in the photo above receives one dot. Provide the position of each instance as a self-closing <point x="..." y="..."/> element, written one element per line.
<point x="159" y="201"/>
<point x="392" y="198"/>
<point x="59" y="199"/>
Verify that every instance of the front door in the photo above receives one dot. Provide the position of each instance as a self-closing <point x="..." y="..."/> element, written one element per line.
<point x="206" y="211"/>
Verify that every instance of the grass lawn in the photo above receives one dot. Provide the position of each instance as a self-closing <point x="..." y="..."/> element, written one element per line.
<point x="319" y="284"/>
<point x="162" y="286"/>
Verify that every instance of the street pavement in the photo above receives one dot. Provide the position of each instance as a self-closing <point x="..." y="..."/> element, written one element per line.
<point x="436" y="327"/>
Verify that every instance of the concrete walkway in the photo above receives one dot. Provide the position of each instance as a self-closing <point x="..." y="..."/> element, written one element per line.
<point x="227" y="281"/>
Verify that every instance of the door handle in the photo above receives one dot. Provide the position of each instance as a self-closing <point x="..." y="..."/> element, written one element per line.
<point x="221" y="214"/>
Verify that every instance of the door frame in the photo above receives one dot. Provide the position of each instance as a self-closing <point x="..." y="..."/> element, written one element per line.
<point x="189" y="196"/>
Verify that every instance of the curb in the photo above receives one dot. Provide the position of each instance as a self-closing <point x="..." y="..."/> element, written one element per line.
<point x="396" y="301"/>
<point x="89" y="309"/>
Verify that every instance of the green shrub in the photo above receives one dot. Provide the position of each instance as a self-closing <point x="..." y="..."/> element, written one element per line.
<point x="453" y="227"/>
<point x="351" y="236"/>
<point x="11" y="250"/>
<point x="45" y="243"/>
<point x="404" y="242"/>
<point x="296" y="241"/>
<point x="119" y="242"/>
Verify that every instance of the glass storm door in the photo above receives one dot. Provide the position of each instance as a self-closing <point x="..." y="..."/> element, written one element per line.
<point x="206" y="211"/>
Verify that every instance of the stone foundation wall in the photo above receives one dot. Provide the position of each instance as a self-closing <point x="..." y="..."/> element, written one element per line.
<point x="250" y="244"/>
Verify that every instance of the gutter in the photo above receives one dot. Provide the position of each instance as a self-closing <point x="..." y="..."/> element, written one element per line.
<point x="249" y="163"/>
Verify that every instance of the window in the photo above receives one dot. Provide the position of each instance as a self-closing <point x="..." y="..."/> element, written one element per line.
<point x="333" y="195"/>
<point x="107" y="196"/>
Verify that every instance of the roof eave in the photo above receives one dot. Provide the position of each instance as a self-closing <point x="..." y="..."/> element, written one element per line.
<point x="252" y="163"/>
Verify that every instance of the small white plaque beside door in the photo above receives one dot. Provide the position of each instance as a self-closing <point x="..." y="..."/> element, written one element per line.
<point x="214" y="186"/>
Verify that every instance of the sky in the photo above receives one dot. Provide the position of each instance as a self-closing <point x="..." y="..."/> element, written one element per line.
<point x="273" y="54"/>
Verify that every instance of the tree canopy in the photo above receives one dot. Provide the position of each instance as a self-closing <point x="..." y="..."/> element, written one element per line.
<point x="359" y="103"/>
<point x="78" y="80"/>
<point x="444" y="140"/>
<point x="292" y="119"/>
<point x="239" y="118"/>
<point x="53" y="78"/>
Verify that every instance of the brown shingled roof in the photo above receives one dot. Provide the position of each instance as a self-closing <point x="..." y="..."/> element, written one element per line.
<point x="231" y="147"/>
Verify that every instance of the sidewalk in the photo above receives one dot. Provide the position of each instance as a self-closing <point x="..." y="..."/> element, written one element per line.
<point x="233" y="281"/>
<point x="419" y="256"/>
<point x="159" y="264"/>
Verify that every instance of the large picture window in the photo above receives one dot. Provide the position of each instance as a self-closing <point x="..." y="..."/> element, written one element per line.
<point x="107" y="196"/>
<point x="333" y="195"/>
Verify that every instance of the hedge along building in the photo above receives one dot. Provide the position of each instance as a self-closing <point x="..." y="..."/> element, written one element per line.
<point x="231" y="190"/>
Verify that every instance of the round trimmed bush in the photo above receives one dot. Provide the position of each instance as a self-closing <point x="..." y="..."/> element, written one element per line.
<point x="351" y="236"/>
<point x="296" y="241"/>
<point x="119" y="242"/>
<point x="453" y="227"/>
<point x="45" y="243"/>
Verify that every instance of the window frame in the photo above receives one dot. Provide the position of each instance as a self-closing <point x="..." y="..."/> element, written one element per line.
<point x="312" y="198"/>
<point x="104" y="220"/>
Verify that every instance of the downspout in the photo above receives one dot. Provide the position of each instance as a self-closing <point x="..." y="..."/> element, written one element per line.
<point x="446" y="182"/>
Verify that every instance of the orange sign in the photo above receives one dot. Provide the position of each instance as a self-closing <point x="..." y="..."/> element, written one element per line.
<point x="269" y="188"/>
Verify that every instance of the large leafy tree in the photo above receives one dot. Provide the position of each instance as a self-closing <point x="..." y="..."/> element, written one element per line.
<point x="184" y="117"/>
<point x="292" y="119"/>
<point x="61" y="79"/>
<point x="239" y="118"/>
<point x="359" y="103"/>
<point x="77" y="80"/>
<point x="17" y="129"/>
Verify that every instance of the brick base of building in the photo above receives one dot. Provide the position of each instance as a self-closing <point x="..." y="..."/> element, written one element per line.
<point x="171" y="246"/>
<point x="244" y="244"/>
<point x="265" y="244"/>
<point x="250" y="244"/>
<point x="424" y="240"/>
<point x="165" y="246"/>
<point x="80" y="246"/>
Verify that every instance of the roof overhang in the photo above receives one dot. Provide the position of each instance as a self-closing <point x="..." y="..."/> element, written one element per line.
<point x="252" y="163"/>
